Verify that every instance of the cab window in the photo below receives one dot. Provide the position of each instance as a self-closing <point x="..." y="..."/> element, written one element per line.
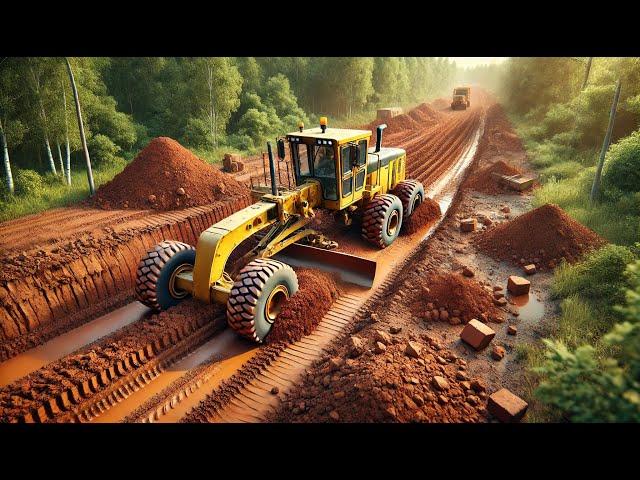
<point x="324" y="169"/>
<point x="302" y="156"/>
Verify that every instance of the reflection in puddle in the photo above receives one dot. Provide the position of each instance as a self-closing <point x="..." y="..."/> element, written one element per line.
<point x="529" y="307"/>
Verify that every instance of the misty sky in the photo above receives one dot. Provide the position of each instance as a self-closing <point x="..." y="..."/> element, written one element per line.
<point x="475" y="61"/>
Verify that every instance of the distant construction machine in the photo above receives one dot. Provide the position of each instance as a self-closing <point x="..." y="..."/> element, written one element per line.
<point x="335" y="170"/>
<point x="461" y="98"/>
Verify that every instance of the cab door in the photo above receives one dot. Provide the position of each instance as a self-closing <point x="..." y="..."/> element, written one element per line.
<point x="353" y="158"/>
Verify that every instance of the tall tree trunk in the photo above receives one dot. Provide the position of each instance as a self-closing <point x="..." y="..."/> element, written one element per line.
<point x="52" y="162"/>
<point x="64" y="177"/>
<point x="7" y="161"/>
<point x="67" y="169"/>
<point x="85" y="150"/>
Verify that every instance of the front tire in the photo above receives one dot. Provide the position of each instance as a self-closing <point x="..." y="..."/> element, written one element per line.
<point x="155" y="278"/>
<point x="382" y="220"/>
<point x="411" y="194"/>
<point x="257" y="296"/>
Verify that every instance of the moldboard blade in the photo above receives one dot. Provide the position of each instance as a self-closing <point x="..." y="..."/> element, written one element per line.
<point x="351" y="268"/>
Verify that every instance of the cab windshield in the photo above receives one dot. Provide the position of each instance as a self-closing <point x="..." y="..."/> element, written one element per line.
<point x="460" y="91"/>
<point x="318" y="161"/>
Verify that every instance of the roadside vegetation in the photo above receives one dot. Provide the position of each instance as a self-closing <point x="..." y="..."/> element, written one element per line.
<point x="587" y="369"/>
<point x="210" y="105"/>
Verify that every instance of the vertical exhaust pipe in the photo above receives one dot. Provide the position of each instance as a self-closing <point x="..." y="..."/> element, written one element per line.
<point x="379" y="137"/>
<point x="272" y="170"/>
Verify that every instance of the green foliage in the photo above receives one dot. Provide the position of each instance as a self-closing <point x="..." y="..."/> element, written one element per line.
<point x="591" y="389"/>
<point x="599" y="277"/>
<point x="622" y="167"/>
<point x="28" y="183"/>
<point x="103" y="149"/>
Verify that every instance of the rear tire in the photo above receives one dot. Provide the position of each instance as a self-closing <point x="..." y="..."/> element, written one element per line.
<point x="257" y="296"/>
<point x="382" y="220"/>
<point x="155" y="276"/>
<point x="411" y="194"/>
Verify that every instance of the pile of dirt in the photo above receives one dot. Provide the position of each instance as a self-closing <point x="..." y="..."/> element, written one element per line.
<point x="304" y="310"/>
<point x="426" y="213"/>
<point x="544" y="236"/>
<point x="167" y="176"/>
<point x="425" y="114"/>
<point x="483" y="181"/>
<point x="430" y="384"/>
<point x="451" y="297"/>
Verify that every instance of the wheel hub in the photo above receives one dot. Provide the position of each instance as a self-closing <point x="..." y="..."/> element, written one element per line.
<point x="274" y="303"/>
<point x="392" y="224"/>
<point x="173" y="287"/>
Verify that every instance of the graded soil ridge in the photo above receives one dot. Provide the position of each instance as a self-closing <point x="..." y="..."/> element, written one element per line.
<point x="544" y="236"/>
<point x="167" y="176"/>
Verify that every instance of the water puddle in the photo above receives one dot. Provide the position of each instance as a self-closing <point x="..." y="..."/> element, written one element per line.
<point x="530" y="307"/>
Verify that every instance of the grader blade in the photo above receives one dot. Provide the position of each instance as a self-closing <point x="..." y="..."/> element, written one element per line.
<point x="351" y="268"/>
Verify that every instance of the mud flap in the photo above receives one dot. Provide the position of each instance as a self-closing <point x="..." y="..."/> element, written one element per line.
<point x="351" y="268"/>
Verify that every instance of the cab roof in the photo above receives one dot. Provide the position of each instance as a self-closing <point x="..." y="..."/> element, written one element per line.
<point x="339" y="135"/>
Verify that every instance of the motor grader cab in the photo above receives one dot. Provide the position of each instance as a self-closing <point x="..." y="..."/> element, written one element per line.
<point x="334" y="169"/>
<point x="461" y="98"/>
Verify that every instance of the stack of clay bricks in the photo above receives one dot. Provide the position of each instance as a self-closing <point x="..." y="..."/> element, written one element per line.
<point x="232" y="162"/>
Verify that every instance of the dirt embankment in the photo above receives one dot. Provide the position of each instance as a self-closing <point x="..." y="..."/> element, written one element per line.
<point x="544" y="236"/>
<point x="166" y="176"/>
<point x="304" y="310"/>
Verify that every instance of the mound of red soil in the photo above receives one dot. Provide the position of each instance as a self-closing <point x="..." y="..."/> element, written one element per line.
<point x="167" y="176"/>
<point x="425" y="113"/>
<point x="483" y="180"/>
<point x="426" y="213"/>
<point x="389" y="387"/>
<point x="457" y="297"/>
<point x="543" y="236"/>
<point x="303" y="311"/>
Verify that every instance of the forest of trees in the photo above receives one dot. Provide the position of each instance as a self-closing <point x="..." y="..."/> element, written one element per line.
<point x="204" y="103"/>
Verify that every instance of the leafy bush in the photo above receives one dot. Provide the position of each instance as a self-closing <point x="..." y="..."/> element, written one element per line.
<point x="103" y="150"/>
<point x="622" y="167"/>
<point x="28" y="183"/>
<point x="599" y="277"/>
<point x="588" y="389"/>
<point x="197" y="133"/>
<point x="561" y="170"/>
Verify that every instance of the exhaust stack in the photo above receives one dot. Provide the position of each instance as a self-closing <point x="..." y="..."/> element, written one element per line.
<point x="272" y="171"/>
<point x="379" y="137"/>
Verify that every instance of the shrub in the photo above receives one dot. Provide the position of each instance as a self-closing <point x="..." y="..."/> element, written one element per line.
<point x="197" y="133"/>
<point x="28" y="183"/>
<point x="622" y="167"/>
<point x="102" y="150"/>
<point x="587" y="389"/>
<point x="599" y="277"/>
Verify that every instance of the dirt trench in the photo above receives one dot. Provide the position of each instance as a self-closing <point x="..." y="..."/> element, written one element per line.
<point x="48" y="291"/>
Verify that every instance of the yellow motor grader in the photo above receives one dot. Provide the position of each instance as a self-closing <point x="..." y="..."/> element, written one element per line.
<point x="334" y="169"/>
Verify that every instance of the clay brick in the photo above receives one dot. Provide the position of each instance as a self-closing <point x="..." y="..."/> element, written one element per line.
<point x="529" y="269"/>
<point x="477" y="334"/>
<point x="506" y="406"/>
<point x="518" y="285"/>
<point x="468" y="225"/>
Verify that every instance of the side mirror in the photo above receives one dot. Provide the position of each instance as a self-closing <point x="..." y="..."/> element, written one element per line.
<point x="281" y="152"/>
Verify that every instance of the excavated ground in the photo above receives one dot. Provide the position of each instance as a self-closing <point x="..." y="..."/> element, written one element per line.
<point x="372" y="375"/>
<point x="436" y="139"/>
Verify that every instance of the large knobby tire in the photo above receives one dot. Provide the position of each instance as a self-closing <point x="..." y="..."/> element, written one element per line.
<point x="257" y="296"/>
<point x="155" y="286"/>
<point x="382" y="220"/>
<point x="411" y="194"/>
